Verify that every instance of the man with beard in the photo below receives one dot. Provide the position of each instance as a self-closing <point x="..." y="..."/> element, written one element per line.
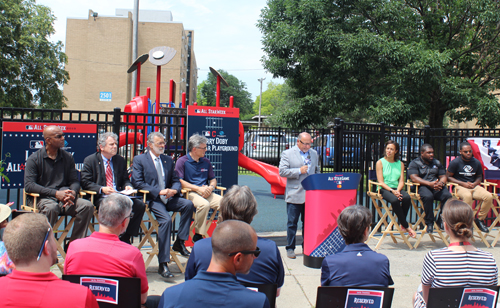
<point x="467" y="172"/>
<point x="32" y="247"/>
<point x="153" y="171"/>
<point x="431" y="175"/>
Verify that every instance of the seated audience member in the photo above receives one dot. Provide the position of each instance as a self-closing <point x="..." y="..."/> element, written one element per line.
<point x="390" y="175"/>
<point x="51" y="173"/>
<point x="33" y="249"/>
<point x="357" y="265"/>
<point x="106" y="172"/>
<point x="102" y="253"/>
<point x="195" y="172"/>
<point x="239" y="203"/>
<point x="470" y="266"/>
<point x="467" y="172"/>
<point x="6" y="264"/>
<point x="234" y="248"/>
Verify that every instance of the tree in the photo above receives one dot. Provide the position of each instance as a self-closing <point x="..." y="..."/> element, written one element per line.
<point x="401" y="61"/>
<point x="31" y="67"/>
<point x="242" y="98"/>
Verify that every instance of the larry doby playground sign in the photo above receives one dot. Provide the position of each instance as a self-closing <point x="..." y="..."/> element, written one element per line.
<point x="21" y="139"/>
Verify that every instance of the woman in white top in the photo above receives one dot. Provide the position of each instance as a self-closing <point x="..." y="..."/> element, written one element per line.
<point x="470" y="266"/>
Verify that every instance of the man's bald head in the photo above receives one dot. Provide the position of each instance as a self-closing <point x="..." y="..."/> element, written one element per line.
<point x="304" y="135"/>
<point x="51" y="130"/>
<point x="232" y="236"/>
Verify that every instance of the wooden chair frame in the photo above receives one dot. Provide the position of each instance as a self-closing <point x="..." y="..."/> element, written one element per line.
<point x="492" y="175"/>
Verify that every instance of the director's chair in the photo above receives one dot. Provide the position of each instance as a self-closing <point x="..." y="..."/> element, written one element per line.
<point x="493" y="175"/>
<point x="384" y="212"/>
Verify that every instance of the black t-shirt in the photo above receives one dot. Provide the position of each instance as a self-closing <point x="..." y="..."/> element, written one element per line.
<point x="465" y="171"/>
<point x="429" y="172"/>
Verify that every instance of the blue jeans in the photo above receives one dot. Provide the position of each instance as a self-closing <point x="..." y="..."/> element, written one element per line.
<point x="294" y="211"/>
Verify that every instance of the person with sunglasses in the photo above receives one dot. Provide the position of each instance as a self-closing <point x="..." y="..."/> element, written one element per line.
<point x="467" y="172"/>
<point x="33" y="249"/>
<point x="103" y="253"/>
<point x="234" y="248"/>
<point x="50" y="172"/>
<point x="239" y="203"/>
<point x="356" y="265"/>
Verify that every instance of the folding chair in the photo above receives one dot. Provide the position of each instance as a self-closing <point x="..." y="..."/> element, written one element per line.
<point x="148" y="232"/>
<point x="419" y="210"/>
<point x="95" y="219"/>
<point x="339" y="297"/>
<point x="186" y="192"/>
<point x="269" y="289"/>
<point x="57" y="228"/>
<point x="377" y="199"/>
<point x="111" y="292"/>
<point x="477" y="231"/>
<point x="457" y="297"/>
<point x="493" y="175"/>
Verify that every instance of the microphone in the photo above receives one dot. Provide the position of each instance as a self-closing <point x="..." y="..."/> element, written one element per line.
<point x="308" y="159"/>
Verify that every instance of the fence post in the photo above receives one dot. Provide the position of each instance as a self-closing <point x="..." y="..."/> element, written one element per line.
<point x="381" y="141"/>
<point x="427" y="134"/>
<point x="117" y="121"/>
<point x="337" y="150"/>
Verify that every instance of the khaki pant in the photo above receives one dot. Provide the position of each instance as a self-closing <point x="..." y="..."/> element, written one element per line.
<point x="202" y="206"/>
<point x="477" y="193"/>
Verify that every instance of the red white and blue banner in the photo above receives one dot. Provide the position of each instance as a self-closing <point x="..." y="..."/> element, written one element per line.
<point x="104" y="290"/>
<point x="487" y="151"/>
<point x="478" y="298"/>
<point x="21" y="139"/>
<point x="364" y="299"/>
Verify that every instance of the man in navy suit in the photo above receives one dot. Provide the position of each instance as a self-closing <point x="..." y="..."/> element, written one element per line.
<point x="96" y="177"/>
<point x="155" y="173"/>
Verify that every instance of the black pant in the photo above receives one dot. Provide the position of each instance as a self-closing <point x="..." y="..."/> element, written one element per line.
<point x="428" y="196"/>
<point x="399" y="207"/>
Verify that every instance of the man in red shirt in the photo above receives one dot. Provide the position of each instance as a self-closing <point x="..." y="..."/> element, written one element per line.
<point x="103" y="253"/>
<point x="33" y="249"/>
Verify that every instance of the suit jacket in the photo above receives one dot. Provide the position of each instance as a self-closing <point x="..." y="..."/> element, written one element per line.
<point x="290" y="164"/>
<point x="144" y="175"/>
<point x="93" y="176"/>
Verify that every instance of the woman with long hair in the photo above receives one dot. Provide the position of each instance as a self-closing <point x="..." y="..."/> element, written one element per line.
<point x="390" y="175"/>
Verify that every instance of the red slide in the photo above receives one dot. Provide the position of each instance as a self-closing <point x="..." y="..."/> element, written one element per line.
<point x="130" y="139"/>
<point x="268" y="172"/>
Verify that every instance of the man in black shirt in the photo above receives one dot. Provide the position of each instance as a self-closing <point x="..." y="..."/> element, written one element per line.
<point x="431" y="175"/>
<point x="467" y="172"/>
<point x="50" y="172"/>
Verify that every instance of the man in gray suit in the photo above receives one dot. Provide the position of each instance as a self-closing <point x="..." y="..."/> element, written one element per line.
<point x="296" y="164"/>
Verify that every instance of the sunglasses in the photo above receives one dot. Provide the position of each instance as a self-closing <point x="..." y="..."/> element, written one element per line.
<point x="255" y="252"/>
<point x="58" y="136"/>
<point x="306" y="144"/>
<point x="43" y="244"/>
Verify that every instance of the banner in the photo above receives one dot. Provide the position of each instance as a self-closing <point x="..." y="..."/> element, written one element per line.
<point x="104" y="290"/>
<point x="21" y="139"/>
<point x="487" y="151"/>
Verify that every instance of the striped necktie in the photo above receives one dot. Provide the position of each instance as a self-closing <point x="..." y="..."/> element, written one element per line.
<point x="109" y="175"/>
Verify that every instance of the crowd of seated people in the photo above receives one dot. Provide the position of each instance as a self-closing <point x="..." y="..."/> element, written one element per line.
<point x="234" y="253"/>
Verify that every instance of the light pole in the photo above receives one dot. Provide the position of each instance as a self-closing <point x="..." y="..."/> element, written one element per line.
<point x="260" y="101"/>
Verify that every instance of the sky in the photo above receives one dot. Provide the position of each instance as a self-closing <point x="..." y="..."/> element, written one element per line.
<point x="225" y="32"/>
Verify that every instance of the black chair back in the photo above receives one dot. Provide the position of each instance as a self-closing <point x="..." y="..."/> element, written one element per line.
<point x="268" y="289"/>
<point x="339" y="297"/>
<point x="475" y="296"/>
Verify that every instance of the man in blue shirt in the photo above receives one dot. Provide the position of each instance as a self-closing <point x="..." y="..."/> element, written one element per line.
<point x="196" y="173"/>
<point x="234" y="247"/>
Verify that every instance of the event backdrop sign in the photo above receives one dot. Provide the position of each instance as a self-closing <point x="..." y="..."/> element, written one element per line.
<point x="220" y="126"/>
<point x="21" y="139"/>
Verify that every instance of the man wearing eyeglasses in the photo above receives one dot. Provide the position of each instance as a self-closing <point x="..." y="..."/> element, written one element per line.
<point x="296" y="164"/>
<point x="196" y="173"/>
<point x="467" y="172"/>
<point x="102" y="253"/>
<point x="154" y="172"/>
<point x="105" y="172"/>
<point x="234" y="248"/>
<point x="33" y="249"/>
<point x="50" y="172"/>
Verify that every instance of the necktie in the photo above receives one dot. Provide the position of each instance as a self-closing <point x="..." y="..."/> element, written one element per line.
<point x="161" y="181"/>
<point x="109" y="175"/>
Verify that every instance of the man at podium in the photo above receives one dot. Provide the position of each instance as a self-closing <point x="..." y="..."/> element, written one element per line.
<point x="296" y="164"/>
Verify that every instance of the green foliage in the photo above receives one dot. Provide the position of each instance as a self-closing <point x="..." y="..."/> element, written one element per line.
<point x="394" y="61"/>
<point x="31" y="67"/>
<point x="207" y="93"/>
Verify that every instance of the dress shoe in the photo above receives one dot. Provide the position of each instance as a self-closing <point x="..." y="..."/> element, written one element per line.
<point x="290" y="253"/>
<point x="197" y="237"/>
<point x="480" y="224"/>
<point x="430" y="227"/>
<point x="164" y="271"/>
<point x="180" y="248"/>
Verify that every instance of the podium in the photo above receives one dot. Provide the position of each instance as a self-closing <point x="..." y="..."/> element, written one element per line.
<point x="327" y="194"/>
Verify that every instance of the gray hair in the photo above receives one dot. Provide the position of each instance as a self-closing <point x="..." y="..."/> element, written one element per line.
<point x="103" y="137"/>
<point x="238" y="203"/>
<point x="195" y="141"/>
<point x="151" y="137"/>
<point x="114" y="209"/>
